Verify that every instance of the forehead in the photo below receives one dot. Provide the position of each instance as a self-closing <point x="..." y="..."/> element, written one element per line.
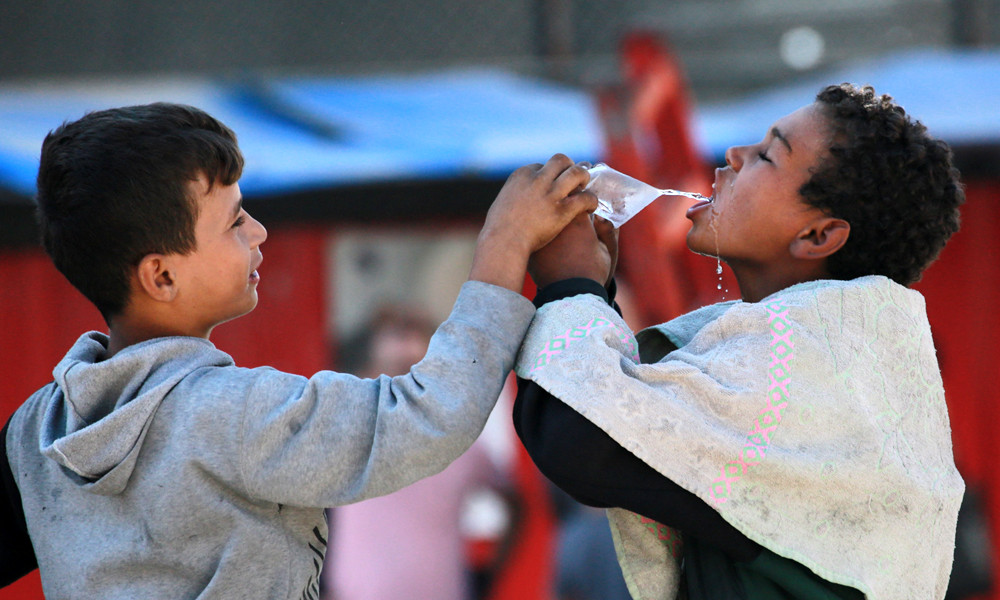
<point x="806" y="129"/>
<point x="213" y="200"/>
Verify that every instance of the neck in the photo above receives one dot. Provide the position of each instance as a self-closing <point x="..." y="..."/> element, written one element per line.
<point x="755" y="285"/>
<point x="119" y="339"/>
<point x="125" y="332"/>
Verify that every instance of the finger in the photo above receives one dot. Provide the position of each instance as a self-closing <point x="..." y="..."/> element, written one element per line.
<point x="580" y="203"/>
<point x="525" y="171"/>
<point x="555" y="166"/>
<point x="586" y="164"/>
<point x="572" y="180"/>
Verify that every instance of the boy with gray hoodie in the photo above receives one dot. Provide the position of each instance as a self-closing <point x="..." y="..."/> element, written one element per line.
<point x="152" y="466"/>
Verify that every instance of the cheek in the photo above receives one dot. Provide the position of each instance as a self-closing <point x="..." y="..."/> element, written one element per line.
<point x="731" y="217"/>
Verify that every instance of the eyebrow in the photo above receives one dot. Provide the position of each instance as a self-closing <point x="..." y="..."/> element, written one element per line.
<point x="777" y="133"/>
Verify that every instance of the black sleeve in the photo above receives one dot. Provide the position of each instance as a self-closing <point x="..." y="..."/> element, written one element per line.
<point x="17" y="557"/>
<point x="589" y="465"/>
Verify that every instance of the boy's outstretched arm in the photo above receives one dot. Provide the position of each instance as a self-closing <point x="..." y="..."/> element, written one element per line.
<point x="335" y="438"/>
<point x="534" y="205"/>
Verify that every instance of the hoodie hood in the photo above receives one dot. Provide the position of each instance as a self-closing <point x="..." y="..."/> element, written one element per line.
<point x="100" y="410"/>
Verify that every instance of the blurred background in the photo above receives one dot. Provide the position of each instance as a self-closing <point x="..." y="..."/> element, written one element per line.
<point x="377" y="133"/>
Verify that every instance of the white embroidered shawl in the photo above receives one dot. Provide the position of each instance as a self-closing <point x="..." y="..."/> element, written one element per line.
<point x="813" y="421"/>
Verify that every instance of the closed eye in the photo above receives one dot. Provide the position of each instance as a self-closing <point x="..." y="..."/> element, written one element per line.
<point x="763" y="156"/>
<point x="240" y="221"/>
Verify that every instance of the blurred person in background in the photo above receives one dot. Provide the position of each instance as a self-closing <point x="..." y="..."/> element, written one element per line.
<point x="412" y="543"/>
<point x="586" y="563"/>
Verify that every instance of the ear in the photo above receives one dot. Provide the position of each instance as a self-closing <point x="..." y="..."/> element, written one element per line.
<point x="820" y="239"/>
<point x="155" y="277"/>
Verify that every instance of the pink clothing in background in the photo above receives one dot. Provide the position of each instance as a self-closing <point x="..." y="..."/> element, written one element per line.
<point x="408" y="544"/>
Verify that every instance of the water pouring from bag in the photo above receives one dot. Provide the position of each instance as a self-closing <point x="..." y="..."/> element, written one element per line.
<point x="620" y="197"/>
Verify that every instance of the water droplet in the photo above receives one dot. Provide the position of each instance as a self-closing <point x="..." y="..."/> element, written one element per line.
<point x="718" y="287"/>
<point x="718" y="267"/>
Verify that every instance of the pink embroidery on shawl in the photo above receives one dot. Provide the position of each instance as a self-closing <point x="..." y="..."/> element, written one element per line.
<point x="759" y="437"/>
<point x="560" y="343"/>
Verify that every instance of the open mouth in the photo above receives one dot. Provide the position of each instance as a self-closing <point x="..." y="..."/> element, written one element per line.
<point x="254" y="275"/>
<point x="708" y="199"/>
<point x="701" y="204"/>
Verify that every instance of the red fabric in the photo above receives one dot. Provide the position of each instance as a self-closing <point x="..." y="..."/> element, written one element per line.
<point x="42" y="315"/>
<point x="530" y="569"/>
<point x="287" y="330"/>
<point x="962" y="290"/>
<point x="26" y="588"/>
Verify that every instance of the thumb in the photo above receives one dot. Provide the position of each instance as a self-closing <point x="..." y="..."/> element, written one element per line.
<point x="606" y="231"/>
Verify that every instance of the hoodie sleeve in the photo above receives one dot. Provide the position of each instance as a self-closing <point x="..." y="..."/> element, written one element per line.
<point x="335" y="438"/>
<point x="17" y="556"/>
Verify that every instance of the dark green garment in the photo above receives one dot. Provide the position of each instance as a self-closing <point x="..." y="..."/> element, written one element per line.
<point x="709" y="574"/>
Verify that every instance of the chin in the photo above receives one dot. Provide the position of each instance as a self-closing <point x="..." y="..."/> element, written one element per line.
<point x="245" y="309"/>
<point x="250" y="306"/>
<point x="695" y="245"/>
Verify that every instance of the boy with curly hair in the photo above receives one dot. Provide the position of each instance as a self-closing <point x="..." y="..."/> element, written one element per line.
<point x="794" y="443"/>
<point x="152" y="466"/>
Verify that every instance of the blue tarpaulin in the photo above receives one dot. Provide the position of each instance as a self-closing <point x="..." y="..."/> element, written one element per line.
<point x="956" y="94"/>
<point x="301" y="133"/>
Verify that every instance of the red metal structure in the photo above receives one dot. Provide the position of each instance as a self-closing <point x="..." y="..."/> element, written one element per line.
<point x="648" y="135"/>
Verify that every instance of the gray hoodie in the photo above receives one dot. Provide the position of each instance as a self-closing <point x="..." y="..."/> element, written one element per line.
<point x="168" y="472"/>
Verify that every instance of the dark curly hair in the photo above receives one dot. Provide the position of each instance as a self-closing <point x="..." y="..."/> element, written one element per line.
<point x="890" y="180"/>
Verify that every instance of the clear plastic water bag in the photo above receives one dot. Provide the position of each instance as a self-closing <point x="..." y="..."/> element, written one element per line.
<point x="620" y="197"/>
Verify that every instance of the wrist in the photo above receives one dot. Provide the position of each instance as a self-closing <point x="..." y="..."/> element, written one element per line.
<point x="499" y="262"/>
<point x="503" y="240"/>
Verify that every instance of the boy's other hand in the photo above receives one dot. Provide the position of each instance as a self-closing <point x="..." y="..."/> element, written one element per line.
<point x="588" y="247"/>
<point x="534" y="205"/>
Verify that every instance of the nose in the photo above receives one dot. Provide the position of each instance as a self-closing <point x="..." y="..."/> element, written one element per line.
<point x="257" y="232"/>
<point x="734" y="157"/>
